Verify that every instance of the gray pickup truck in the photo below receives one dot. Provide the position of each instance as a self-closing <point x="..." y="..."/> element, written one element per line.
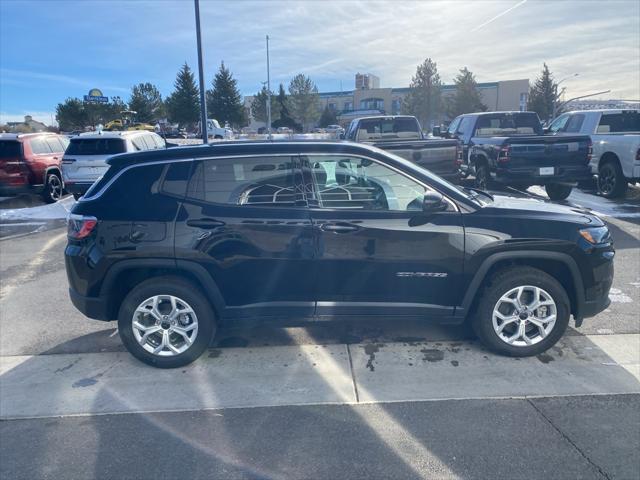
<point x="402" y="135"/>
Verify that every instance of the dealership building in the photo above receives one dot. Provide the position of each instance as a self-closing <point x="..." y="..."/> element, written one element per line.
<point x="369" y="98"/>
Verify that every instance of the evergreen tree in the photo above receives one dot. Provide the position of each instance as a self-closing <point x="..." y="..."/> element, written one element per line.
<point x="543" y="94"/>
<point x="328" y="117"/>
<point x="303" y="100"/>
<point x="259" y="106"/>
<point x="282" y="107"/>
<point x="183" y="105"/>
<point x="425" y="94"/>
<point x="146" y="101"/>
<point x="71" y="115"/>
<point x="224" y="102"/>
<point x="467" y="97"/>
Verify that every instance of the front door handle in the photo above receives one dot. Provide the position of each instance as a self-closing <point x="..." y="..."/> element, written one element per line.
<point x="338" y="227"/>
<point x="207" y="223"/>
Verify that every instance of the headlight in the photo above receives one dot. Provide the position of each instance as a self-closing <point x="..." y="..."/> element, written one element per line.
<point x="596" y="235"/>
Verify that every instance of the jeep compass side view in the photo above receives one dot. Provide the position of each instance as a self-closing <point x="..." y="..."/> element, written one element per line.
<point x="171" y="243"/>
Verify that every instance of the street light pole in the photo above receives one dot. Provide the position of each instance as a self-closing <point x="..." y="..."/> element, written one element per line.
<point x="268" y="94"/>
<point x="203" y="103"/>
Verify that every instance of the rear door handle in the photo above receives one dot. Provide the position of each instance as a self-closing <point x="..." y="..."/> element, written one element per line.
<point x="338" y="227"/>
<point x="205" y="223"/>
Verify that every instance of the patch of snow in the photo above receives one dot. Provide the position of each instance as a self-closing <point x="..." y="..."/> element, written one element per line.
<point x="617" y="296"/>
<point x="53" y="211"/>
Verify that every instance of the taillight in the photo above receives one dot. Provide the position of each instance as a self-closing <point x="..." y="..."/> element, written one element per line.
<point x="458" y="160"/>
<point x="589" y="151"/>
<point x="505" y="154"/>
<point x="14" y="166"/>
<point x="80" y="226"/>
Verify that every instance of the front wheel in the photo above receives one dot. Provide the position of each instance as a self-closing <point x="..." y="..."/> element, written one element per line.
<point x="522" y="312"/>
<point x="166" y="322"/>
<point x="53" y="188"/>
<point x="558" y="192"/>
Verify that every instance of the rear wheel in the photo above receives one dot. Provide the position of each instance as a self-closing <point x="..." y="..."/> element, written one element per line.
<point x="52" y="188"/>
<point x="166" y="322"/>
<point x="611" y="181"/>
<point x="483" y="177"/>
<point x="558" y="192"/>
<point x="522" y="312"/>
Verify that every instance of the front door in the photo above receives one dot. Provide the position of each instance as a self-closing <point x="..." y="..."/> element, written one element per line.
<point x="377" y="251"/>
<point x="244" y="221"/>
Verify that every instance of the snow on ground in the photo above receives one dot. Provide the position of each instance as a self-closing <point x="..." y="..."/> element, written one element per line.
<point x="54" y="211"/>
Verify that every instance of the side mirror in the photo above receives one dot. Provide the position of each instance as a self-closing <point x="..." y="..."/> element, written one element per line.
<point x="433" y="202"/>
<point x="435" y="131"/>
<point x="546" y="130"/>
<point x="342" y="137"/>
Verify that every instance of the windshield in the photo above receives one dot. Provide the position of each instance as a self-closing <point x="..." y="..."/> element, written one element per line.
<point x="96" y="146"/>
<point x="508" y="124"/>
<point x="10" y="149"/>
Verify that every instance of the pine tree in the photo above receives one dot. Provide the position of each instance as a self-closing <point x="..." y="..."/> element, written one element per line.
<point x="328" y="117"/>
<point x="424" y="99"/>
<point x="146" y="101"/>
<point x="259" y="106"/>
<point x="71" y="115"/>
<point x="543" y="94"/>
<point x="183" y="105"/>
<point x="303" y="100"/>
<point x="467" y="97"/>
<point x="282" y="107"/>
<point x="224" y="102"/>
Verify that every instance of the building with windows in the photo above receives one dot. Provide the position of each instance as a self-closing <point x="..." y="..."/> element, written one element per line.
<point x="368" y="98"/>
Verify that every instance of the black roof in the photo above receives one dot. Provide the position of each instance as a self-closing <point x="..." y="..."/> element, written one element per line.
<point x="241" y="147"/>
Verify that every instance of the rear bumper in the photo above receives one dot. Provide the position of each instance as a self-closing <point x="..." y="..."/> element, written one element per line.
<point x="531" y="175"/>
<point x="92" y="307"/>
<point x="77" y="188"/>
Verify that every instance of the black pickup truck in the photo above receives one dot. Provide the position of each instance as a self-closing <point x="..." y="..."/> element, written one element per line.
<point x="402" y="135"/>
<point x="510" y="148"/>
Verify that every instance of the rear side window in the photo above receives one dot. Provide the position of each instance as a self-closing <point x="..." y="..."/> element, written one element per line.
<point x="176" y="176"/>
<point x="257" y="181"/>
<point x="10" y="149"/>
<point x="39" y="146"/>
<point x="619" y="122"/>
<point x="56" y="145"/>
<point x="96" y="146"/>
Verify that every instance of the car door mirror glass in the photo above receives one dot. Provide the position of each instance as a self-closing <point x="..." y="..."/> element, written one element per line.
<point x="433" y="202"/>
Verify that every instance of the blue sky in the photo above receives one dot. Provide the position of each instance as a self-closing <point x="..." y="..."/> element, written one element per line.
<point x="53" y="49"/>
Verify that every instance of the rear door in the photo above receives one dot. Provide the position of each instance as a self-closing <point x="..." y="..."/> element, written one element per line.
<point x="377" y="253"/>
<point x="245" y="220"/>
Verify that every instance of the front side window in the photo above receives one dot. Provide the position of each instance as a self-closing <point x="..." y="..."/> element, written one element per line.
<point x="454" y="125"/>
<point x="255" y="181"/>
<point x="559" y="124"/>
<point x="575" y="123"/>
<point x="341" y="182"/>
<point x="56" y="145"/>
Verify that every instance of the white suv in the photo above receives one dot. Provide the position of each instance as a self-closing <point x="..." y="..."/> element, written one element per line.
<point x="85" y="159"/>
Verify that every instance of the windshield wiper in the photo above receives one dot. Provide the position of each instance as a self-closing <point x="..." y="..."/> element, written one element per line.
<point x="476" y="192"/>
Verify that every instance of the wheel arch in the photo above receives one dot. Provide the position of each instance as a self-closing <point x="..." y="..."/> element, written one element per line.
<point x="608" y="157"/>
<point x="123" y="276"/>
<point x="559" y="265"/>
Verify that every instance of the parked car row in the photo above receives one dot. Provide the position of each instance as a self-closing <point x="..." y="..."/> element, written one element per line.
<point x="49" y="164"/>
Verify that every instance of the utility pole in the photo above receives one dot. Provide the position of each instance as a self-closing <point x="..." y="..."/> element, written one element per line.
<point x="203" y="103"/>
<point x="268" y="94"/>
<point x="580" y="97"/>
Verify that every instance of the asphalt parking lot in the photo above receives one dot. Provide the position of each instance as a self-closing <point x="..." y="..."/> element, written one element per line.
<point x="360" y="400"/>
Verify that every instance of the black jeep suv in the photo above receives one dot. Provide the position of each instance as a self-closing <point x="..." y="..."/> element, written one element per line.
<point x="171" y="243"/>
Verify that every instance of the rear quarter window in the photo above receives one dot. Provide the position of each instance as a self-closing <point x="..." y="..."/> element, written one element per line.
<point x="624" y="122"/>
<point x="96" y="146"/>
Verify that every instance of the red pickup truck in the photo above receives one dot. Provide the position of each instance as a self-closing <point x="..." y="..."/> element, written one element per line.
<point x="30" y="162"/>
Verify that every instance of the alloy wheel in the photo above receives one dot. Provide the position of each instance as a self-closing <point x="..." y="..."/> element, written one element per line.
<point x="606" y="179"/>
<point x="524" y="316"/>
<point x="55" y="187"/>
<point x="165" y="325"/>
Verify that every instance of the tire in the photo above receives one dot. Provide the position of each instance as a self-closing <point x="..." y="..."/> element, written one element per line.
<point x="484" y="323"/>
<point x="611" y="181"/>
<point x="52" y="188"/>
<point x="558" y="192"/>
<point x="482" y="177"/>
<point x="188" y="295"/>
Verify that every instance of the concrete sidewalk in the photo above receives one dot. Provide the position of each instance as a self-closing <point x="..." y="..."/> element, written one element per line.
<point x="105" y="383"/>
